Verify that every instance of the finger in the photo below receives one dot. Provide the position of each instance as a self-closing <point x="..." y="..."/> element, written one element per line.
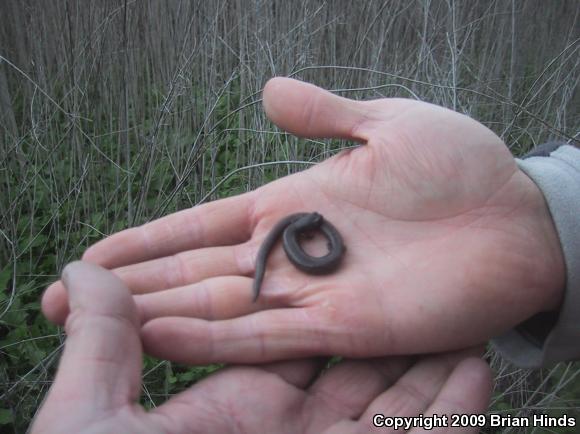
<point x="299" y="373"/>
<point x="216" y="298"/>
<point x="102" y="351"/>
<point x="257" y="338"/>
<point x="254" y="396"/>
<point x="222" y="222"/>
<point x="226" y="221"/>
<point x="414" y="391"/>
<point x="353" y="384"/>
<point x="160" y="274"/>
<point x="54" y="303"/>
<point x="467" y="392"/>
<point x="309" y="111"/>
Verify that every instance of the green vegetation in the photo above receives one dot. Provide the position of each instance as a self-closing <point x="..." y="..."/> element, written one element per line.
<point x="116" y="112"/>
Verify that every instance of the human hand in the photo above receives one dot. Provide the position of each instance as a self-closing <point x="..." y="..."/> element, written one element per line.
<point x="98" y="382"/>
<point x="448" y="244"/>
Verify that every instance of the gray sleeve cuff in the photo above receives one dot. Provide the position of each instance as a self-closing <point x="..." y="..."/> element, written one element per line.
<point x="548" y="338"/>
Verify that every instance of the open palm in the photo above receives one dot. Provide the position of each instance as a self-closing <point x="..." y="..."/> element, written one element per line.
<point x="448" y="244"/>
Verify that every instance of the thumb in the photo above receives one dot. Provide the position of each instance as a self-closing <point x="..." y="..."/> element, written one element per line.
<point x="309" y="111"/>
<point x="101" y="365"/>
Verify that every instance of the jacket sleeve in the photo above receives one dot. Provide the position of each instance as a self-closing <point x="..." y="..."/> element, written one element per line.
<point x="552" y="337"/>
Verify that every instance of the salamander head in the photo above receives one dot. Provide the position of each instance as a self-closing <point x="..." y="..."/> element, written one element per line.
<point x="309" y="221"/>
<point x="316" y="218"/>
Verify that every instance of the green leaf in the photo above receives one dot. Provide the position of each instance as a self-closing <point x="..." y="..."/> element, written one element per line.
<point x="186" y="377"/>
<point x="5" y="277"/>
<point x="6" y="416"/>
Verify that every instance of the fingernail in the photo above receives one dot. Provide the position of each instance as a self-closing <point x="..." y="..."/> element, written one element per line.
<point x="70" y="273"/>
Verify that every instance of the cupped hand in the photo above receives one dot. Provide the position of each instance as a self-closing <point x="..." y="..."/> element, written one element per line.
<point x="448" y="244"/>
<point x="99" y="378"/>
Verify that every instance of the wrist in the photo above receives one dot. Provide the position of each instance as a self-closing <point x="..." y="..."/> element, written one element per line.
<point x="553" y="190"/>
<point x="551" y="265"/>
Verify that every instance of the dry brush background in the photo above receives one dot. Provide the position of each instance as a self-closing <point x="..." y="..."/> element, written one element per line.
<point x="116" y="112"/>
